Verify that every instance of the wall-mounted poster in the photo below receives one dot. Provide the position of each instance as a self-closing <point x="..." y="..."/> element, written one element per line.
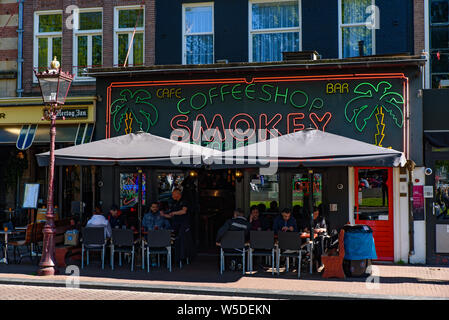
<point x="418" y="202"/>
<point x="30" y="196"/>
<point x="129" y="186"/>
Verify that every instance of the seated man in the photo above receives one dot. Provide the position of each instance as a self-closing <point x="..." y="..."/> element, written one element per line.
<point x="285" y="222"/>
<point x="257" y="222"/>
<point x="320" y="227"/>
<point x="115" y="217"/>
<point x="237" y="223"/>
<point x="98" y="220"/>
<point x="154" y="220"/>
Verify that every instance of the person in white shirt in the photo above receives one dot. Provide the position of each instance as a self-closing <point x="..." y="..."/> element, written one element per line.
<point x="98" y="220"/>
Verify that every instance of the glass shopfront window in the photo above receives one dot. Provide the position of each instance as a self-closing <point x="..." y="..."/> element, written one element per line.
<point x="442" y="189"/>
<point x="373" y="198"/>
<point x="167" y="182"/>
<point x="129" y="187"/>
<point x="264" y="192"/>
<point x="301" y="190"/>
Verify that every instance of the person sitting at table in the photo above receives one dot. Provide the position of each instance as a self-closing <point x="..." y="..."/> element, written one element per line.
<point x="237" y="223"/>
<point x="154" y="219"/>
<point x="98" y="220"/>
<point x="273" y="207"/>
<point x="256" y="221"/>
<point x="320" y="227"/>
<point x="116" y="218"/>
<point x="285" y="222"/>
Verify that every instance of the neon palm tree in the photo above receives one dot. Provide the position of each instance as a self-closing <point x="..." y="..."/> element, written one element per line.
<point x="374" y="100"/>
<point x="134" y="111"/>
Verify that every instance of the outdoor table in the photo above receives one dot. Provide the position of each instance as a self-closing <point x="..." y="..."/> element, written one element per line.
<point x="5" y="248"/>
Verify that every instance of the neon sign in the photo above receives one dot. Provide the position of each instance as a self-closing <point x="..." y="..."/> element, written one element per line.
<point x="341" y="104"/>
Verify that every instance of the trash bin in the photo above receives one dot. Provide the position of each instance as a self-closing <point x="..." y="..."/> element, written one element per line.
<point x="359" y="249"/>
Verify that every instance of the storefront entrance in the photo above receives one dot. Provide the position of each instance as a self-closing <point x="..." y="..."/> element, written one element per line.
<point x="374" y="207"/>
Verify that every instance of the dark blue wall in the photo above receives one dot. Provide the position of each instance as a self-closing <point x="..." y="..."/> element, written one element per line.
<point x="319" y="28"/>
<point x="396" y="27"/>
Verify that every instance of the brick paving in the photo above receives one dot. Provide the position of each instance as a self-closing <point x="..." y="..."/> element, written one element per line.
<point x="394" y="281"/>
<point x="22" y="292"/>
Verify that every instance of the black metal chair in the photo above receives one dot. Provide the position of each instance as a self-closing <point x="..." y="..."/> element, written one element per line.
<point x="289" y="246"/>
<point x="159" y="242"/>
<point x="261" y="243"/>
<point x="93" y="240"/>
<point x="122" y="241"/>
<point x="232" y="244"/>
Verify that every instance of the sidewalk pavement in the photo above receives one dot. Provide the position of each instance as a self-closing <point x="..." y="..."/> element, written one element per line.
<point x="202" y="276"/>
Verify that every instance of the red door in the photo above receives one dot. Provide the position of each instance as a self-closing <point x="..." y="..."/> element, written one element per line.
<point x="374" y="206"/>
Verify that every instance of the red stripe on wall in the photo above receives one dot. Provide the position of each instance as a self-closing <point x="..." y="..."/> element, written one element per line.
<point x="8" y="32"/>
<point x="8" y="55"/>
<point x="9" y="8"/>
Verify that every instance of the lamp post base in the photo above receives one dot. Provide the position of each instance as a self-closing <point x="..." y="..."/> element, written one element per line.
<point x="47" y="271"/>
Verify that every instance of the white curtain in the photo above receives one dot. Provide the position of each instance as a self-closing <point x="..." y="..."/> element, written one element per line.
<point x="265" y="16"/>
<point x="199" y="48"/>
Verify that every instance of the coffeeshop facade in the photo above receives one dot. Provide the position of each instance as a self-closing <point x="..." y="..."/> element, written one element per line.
<point x="372" y="99"/>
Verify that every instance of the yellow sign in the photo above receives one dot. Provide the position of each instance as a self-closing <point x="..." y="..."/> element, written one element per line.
<point x="35" y="115"/>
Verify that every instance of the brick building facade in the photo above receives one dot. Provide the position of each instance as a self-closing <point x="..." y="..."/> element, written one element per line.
<point x="64" y="6"/>
<point x="8" y="47"/>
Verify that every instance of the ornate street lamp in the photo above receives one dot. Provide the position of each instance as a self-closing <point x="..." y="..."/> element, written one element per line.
<point x="54" y="85"/>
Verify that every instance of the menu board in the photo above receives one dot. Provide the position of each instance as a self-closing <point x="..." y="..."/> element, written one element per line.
<point x="30" y="196"/>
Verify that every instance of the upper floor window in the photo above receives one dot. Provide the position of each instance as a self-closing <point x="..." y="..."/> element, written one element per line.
<point x="129" y="34"/>
<point x="439" y="41"/>
<point x="198" y="33"/>
<point x="274" y="28"/>
<point x="354" y="18"/>
<point x="47" y="38"/>
<point x="88" y="42"/>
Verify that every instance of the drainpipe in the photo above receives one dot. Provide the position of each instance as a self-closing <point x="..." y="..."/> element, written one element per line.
<point x="20" y="49"/>
<point x="410" y="165"/>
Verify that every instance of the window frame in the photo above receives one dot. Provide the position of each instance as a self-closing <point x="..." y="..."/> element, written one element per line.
<point x="432" y="49"/>
<point x="129" y="32"/>
<point x="251" y="32"/>
<point x="48" y="35"/>
<point x="342" y="25"/>
<point x="89" y="34"/>
<point x="184" y="34"/>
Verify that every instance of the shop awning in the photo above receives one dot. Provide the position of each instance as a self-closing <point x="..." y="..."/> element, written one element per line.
<point x="24" y="136"/>
<point x="310" y="148"/>
<point x="439" y="139"/>
<point x="132" y="149"/>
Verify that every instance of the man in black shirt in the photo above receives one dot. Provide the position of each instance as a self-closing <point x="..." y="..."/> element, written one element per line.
<point x="178" y="212"/>
<point x="179" y="219"/>
<point x="237" y="223"/>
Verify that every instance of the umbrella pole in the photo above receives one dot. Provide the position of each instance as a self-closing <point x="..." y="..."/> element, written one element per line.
<point x="310" y="204"/>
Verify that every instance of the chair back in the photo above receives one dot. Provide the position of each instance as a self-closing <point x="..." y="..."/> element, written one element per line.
<point x="29" y="233"/>
<point x="341" y="243"/>
<point x="93" y="236"/>
<point x="261" y="239"/>
<point x="233" y="240"/>
<point x="122" y="237"/>
<point x="159" y="238"/>
<point x="37" y="234"/>
<point x="289" y="240"/>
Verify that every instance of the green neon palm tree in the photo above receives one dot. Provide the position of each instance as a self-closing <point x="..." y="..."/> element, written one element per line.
<point x="133" y="111"/>
<point x="373" y="98"/>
